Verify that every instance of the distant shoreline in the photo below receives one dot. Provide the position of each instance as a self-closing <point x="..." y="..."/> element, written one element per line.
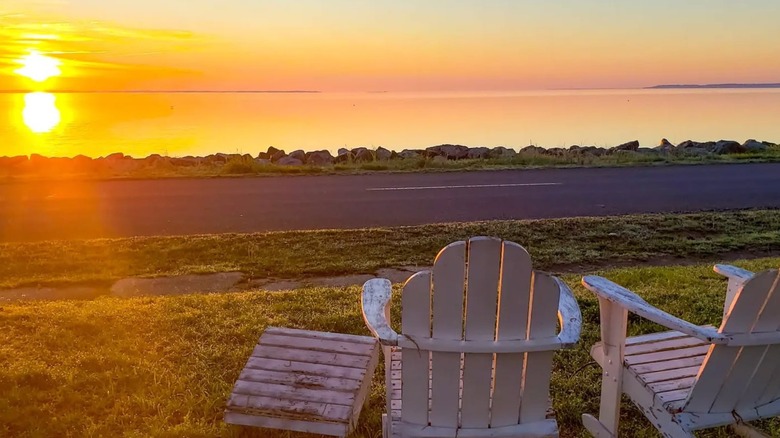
<point x="718" y="86"/>
<point x="163" y="91"/>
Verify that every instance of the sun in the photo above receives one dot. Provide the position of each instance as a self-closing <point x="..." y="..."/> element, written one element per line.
<point x="39" y="67"/>
<point x="40" y="112"/>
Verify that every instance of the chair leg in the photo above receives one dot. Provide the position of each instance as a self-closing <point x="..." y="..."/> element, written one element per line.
<point x="613" y="335"/>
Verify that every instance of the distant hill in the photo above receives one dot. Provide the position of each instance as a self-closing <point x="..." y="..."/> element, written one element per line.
<point x="775" y="85"/>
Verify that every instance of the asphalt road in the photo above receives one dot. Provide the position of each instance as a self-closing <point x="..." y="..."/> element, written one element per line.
<point x="69" y="210"/>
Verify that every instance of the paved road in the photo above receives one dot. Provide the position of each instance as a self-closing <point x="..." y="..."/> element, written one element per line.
<point x="35" y="211"/>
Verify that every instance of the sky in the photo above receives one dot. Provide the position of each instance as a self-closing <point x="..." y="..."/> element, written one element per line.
<point x="387" y="45"/>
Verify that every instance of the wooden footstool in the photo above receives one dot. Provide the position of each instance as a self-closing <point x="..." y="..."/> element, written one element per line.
<point x="304" y="381"/>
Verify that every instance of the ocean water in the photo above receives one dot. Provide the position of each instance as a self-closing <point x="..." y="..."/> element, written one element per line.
<point x="178" y="124"/>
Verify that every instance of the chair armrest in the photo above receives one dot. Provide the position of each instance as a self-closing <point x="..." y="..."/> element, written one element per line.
<point x="733" y="272"/>
<point x="376" y="310"/>
<point x="737" y="277"/>
<point x="569" y="316"/>
<point x="633" y="303"/>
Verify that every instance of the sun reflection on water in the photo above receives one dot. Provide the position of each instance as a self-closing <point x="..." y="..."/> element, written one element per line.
<point x="40" y="112"/>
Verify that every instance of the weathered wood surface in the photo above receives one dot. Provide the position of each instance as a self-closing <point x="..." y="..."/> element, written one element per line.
<point x="304" y="381"/>
<point x="687" y="379"/>
<point x="477" y="338"/>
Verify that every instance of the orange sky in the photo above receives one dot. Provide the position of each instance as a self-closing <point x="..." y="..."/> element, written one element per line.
<point x="395" y="45"/>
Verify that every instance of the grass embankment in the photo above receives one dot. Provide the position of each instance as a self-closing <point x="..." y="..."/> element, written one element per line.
<point x="164" y="366"/>
<point x="575" y="245"/>
<point x="240" y="166"/>
<point x="522" y="160"/>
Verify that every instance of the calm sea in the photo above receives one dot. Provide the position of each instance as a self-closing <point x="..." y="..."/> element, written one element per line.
<point x="201" y="123"/>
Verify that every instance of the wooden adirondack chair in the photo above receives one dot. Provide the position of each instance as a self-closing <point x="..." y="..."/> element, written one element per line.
<point x="692" y="377"/>
<point x="474" y="355"/>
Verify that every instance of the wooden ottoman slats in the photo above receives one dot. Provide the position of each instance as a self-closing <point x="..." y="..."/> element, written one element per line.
<point x="304" y="381"/>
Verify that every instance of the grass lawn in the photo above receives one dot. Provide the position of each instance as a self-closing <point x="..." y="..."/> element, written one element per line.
<point x="560" y="245"/>
<point x="164" y="366"/>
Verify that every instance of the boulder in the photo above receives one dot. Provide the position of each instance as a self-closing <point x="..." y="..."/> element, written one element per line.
<point x="298" y="155"/>
<point x="262" y="161"/>
<point x="665" y="146"/>
<point x="439" y="159"/>
<point x="114" y="157"/>
<point x="410" y="153"/>
<point x="344" y="156"/>
<point x="9" y="162"/>
<point x="448" y="151"/>
<point x="319" y="158"/>
<point x="185" y="161"/>
<point x="532" y="149"/>
<point x="383" y="154"/>
<point x="556" y="152"/>
<point x="501" y="152"/>
<point x="630" y="146"/>
<point x="648" y="151"/>
<point x="728" y="147"/>
<point x="593" y="150"/>
<point x="575" y="149"/>
<point x="289" y="161"/>
<point x="277" y="155"/>
<point x="478" y="153"/>
<point x="754" y="146"/>
<point x="363" y="154"/>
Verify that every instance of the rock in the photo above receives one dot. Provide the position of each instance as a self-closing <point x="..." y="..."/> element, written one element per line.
<point x="319" y="158"/>
<point x="687" y="144"/>
<point x="276" y="156"/>
<point x="344" y="156"/>
<point x="501" y="152"/>
<point x="362" y="154"/>
<point x="665" y="146"/>
<point x="593" y="150"/>
<point x="575" y="149"/>
<point x="115" y="156"/>
<point x="289" y="161"/>
<point x="217" y="158"/>
<point x="478" y="153"/>
<point x="556" y="152"/>
<point x="448" y="151"/>
<point x="728" y="147"/>
<point x="410" y="153"/>
<point x="648" y="151"/>
<point x="272" y="150"/>
<point x="531" y="149"/>
<point x="298" y="155"/>
<point x="630" y="146"/>
<point x="383" y="154"/>
<point x="439" y="159"/>
<point x="754" y="146"/>
<point x="185" y="161"/>
<point x="262" y="161"/>
<point x="9" y="162"/>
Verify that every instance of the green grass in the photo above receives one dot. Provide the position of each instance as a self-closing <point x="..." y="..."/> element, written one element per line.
<point x="239" y="166"/>
<point x="559" y="245"/>
<point x="164" y="366"/>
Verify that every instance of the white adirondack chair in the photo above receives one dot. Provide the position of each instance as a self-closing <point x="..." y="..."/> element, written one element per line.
<point x="474" y="355"/>
<point x="692" y="377"/>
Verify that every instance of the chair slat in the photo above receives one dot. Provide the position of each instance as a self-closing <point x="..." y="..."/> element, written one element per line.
<point x="415" y="372"/>
<point x="513" y="308"/>
<point x="726" y="370"/>
<point x="484" y="266"/>
<point x="448" y="286"/>
<point x="538" y="365"/>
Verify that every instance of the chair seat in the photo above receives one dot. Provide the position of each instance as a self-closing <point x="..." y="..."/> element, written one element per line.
<point x="667" y="363"/>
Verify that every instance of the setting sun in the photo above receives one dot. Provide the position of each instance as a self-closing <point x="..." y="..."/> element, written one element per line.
<point x="39" y="67"/>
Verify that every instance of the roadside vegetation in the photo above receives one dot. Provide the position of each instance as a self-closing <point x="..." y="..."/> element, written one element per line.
<point x="558" y="245"/>
<point x="245" y="165"/>
<point x="164" y="366"/>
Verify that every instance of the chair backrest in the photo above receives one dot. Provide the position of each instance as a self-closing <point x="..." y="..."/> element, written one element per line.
<point x="742" y="378"/>
<point x="480" y="290"/>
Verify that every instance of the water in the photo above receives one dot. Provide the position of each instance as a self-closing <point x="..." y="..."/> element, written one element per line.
<point x="202" y="123"/>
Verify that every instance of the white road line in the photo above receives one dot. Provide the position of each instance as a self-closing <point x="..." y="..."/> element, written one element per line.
<point x="470" y="186"/>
